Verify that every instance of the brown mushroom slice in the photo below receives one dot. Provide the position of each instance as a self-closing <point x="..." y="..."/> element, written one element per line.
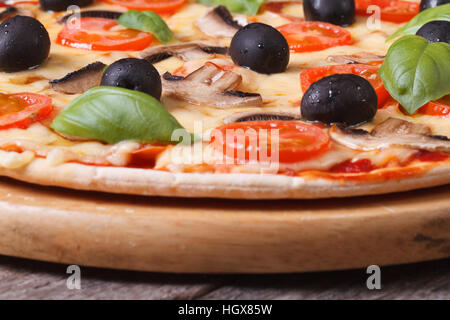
<point x="361" y="57"/>
<point x="81" y="80"/>
<point x="218" y="22"/>
<point x="212" y="86"/>
<point x="386" y="134"/>
<point x="185" y="52"/>
<point x="260" y="116"/>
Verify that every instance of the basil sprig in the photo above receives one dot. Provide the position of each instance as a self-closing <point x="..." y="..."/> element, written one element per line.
<point x="416" y="71"/>
<point x="112" y="114"/>
<point x="147" y="21"/>
<point x="249" y="7"/>
<point x="441" y="12"/>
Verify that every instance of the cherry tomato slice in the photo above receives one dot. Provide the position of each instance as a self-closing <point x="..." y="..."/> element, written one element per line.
<point x="391" y="10"/>
<point x="314" y="36"/>
<point x="297" y="141"/>
<point x="368" y="72"/>
<point x="159" y="6"/>
<point x="99" y="34"/>
<point x="20" y="110"/>
<point x="437" y="108"/>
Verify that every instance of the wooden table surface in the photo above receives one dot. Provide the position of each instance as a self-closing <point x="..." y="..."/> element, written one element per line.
<point x="26" y="279"/>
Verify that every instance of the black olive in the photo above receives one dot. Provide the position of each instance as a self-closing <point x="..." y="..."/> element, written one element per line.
<point x="62" y="5"/>
<point x="340" y="98"/>
<point x="134" y="74"/>
<point x="435" y="31"/>
<point x="24" y="44"/>
<point x="427" y="4"/>
<point x="338" y="12"/>
<point x="260" y="48"/>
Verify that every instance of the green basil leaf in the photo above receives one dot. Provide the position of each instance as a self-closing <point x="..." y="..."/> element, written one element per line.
<point x="249" y="7"/>
<point x="111" y="115"/>
<point x="441" y="12"/>
<point x="416" y="71"/>
<point x="147" y="21"/>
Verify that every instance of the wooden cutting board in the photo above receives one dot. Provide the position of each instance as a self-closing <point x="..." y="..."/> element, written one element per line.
<point x="210" y="235"/>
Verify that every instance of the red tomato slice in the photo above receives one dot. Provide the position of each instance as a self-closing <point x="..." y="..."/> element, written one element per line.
<point x="297" y="141"/>
<point x="368" y="72"/>
<point x="20" y="110"/>
<point x="391" y="10"/>
<point x="437" y="108"/>
<point x="159" y="6"/>
<point x="314" y="36"/>
<point x="98" y="34"/>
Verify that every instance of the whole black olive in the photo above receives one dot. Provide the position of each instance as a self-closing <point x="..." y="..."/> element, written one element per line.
<point x="341" y="12"/>
<point x="340" y="98"/>
<point x="133" y="74"/>
<point x="260" y="48"/>
<point x="427" y="4"/>
<point x="24" y="44"/>
<point x="435" y="31"/>
<point x="62" y="5"/>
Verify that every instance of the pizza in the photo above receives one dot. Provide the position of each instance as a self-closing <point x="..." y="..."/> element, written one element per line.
<point x="245" y="99"/>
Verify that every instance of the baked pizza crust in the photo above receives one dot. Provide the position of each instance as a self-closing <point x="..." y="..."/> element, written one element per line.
<point x="207" y="185"/>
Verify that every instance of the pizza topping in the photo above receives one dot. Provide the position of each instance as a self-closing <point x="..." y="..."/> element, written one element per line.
<point x="24" y="44"/>
<point x="314" y="36"/>
<point x="390" y="10"/>
<point x="427" y="4"/>
<point x="218" y="22"/>
<point x="341" y="13"/>
<point x="133" y="74"/>
<point x="261" y="116"/>
<point x="210" y="85"/>
<point x="159" y="6"/>
<point x="261" y="48"/>
<point x="185" y="52"/>
<point x="416" y="71"/>
<point x="440" y="107"/>
<point x="357" y="58"/>
<point x="435" y="31"/>
<point x="62" y="5"/>
<point x="392" y="132"/>
<point x="104" y="35"/>
<point x="112" y="115"/>
<point x="340" y="98"/>
<point x="368" y="72"/>
<point x="20" y="110"/>
<point x="91" y="14"/>
<point x="81" y="80"/>
<point x="249" y="7"/>
<point x="441" y="12"/>
<point x="147" y="21"/>
<point x="296" y="141"/>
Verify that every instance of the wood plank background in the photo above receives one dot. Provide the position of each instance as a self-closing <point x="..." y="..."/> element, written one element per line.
<point x="26" y="279"/>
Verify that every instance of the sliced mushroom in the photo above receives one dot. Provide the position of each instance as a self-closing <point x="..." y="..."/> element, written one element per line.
<point x="210" y="85"/>
<point x="81" y="80"/>
<point x="92" y="14"/>
<point x="218" y="22"/>
<point x="186" y="52"/>
<point x="260" y="116"/>
<point x="361" y="57"/>
<point x="392" y="132"/>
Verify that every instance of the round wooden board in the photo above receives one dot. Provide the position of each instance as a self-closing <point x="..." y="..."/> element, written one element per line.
<point x="212" y="236"/>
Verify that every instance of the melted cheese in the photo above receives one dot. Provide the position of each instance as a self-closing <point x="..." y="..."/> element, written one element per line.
<point x="280" y="92"/>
